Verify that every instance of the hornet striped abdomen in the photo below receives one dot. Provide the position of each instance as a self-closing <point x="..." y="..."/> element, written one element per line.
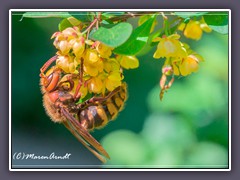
<point x="98" y="114"/>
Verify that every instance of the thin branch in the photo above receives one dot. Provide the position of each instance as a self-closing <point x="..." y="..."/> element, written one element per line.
<point x="130" y="15"/>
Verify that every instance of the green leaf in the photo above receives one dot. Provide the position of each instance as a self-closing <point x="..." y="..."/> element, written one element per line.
<point x="137" y="40"/>
<point x="64" y="24"/>
<point x="83" y="16"/>
<point x="216" y="18"/>
<point x="218" y="21"/>
<point x="107" y="15"/>
<point x="107" y="24"/>
<point x="189" y="14"/>
<point x="88" y="96"/>
<point x="114" y="36"/>
<point x="220" y="29"/>
<point x="148" y="46"/>
<point x="46" y="15"/>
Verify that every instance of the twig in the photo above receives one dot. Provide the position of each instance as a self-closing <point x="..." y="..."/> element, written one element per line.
<point x="130" y="15"/>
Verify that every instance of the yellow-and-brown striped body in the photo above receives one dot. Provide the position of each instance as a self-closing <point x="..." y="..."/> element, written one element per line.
<point x="99" y="114"/>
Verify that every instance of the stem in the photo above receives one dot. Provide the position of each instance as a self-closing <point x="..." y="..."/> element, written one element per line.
<point x="166" y="27"/>
<point x="99" y="19"/>
<point x="90" y="26"/>
<point x="165" y="23"/>
<point x="174" y="23"/>
<point x="175" y="20"/>
<point x="130" y="15"/>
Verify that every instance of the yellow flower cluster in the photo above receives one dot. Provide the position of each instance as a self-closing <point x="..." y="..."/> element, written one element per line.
<point x="71" y="45"/>
<point x="194" y="29"/>
<point x="179" y="56"/>
<point x="101" y="70"/>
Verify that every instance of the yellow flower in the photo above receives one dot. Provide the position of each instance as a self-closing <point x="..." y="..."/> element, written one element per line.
<point x="112" y="74"/>
<point x="103" y="50"/>
<point x="67" y="63"/>
<point x="58" y="38"/>
<point x="92" y="64"/>
<point x="93" y="68"/>
<point x="111" y="65"/>
<point x="169" y="47"/>
<point x="189" y="65"/>
<point x="128" y="62"/>
<point x="78" y="46"/>
<point x="69" y="38"/>
<point x="71" y="33"/>
<point x="64" y="47"/>
<point x="95" y="85"/>
<point x="186" y="65"/>
<point x="194" y="29"/>
<point x="91" y="56"/>
<point x="113" y="80"/>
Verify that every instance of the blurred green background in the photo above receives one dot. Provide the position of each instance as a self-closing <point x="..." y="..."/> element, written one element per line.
<point x="188" y="129"/>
